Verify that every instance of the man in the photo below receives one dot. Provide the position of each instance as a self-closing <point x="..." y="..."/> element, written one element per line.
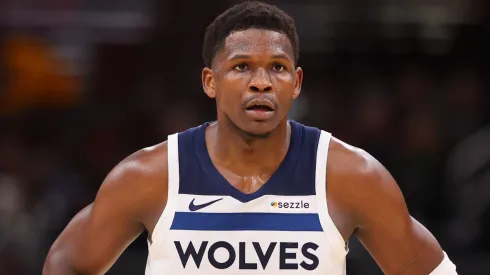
<point x="249" y="193"/>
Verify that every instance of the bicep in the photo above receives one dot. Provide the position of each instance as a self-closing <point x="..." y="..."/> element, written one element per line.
<point x="409" y="249"/>
<point x="130" y="198"/>
<point x="94" y="239"/>
<point x="98" y="234"/>
<point x="397" y="242"/>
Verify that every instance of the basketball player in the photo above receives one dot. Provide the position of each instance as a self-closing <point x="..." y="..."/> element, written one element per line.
<point x="254" y="192"/>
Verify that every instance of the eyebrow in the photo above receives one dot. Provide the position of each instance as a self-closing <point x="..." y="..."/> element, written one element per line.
<point x="245" y="56"/>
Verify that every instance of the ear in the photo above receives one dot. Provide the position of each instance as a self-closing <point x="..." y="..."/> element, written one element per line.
<point x="299" y="82"/>
<point x="208" y="83"/>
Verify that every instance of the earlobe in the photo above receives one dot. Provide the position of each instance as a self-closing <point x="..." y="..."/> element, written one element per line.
<point x="208" y="83"/>
<point x="299" y="82"/>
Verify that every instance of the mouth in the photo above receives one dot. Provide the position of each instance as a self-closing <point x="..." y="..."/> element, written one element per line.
<point x="260" y="105"/>
<point x="260" y="108"/>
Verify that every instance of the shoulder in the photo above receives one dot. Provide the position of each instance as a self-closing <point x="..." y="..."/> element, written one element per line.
<point x="349" y="161"/>
<point x="141" y="166"/>
<point x="140" y="182"/>
<point x="357" y="181"/>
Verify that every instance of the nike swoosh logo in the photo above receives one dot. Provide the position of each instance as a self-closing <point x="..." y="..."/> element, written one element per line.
<point x="193" y="207"/>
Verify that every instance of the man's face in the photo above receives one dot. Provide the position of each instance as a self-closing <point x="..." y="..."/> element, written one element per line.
<point x="254" y="80"/>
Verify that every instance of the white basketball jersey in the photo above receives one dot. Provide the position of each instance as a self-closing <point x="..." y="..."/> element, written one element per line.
<point x="209" y="228"/>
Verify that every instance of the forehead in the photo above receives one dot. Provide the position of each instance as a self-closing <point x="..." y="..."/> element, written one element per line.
<point x="257" y="42"/>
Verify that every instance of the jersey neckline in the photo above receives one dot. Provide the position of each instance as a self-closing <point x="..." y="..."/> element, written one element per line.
<point x="271" y="187"/>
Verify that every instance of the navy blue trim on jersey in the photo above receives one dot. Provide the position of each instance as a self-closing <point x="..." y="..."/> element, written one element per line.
<point x="246" y="221"/>
<point x="276" y="178"/>
<point x="295" y="175"/>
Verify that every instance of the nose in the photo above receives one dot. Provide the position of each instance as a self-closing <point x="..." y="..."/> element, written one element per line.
<point x="260" y="82"/>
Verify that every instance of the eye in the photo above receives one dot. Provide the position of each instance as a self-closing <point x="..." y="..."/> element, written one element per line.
<point x="278" y="67"/>
<point x="241" y="67"/>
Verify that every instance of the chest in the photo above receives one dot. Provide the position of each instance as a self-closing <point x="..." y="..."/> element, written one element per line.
<point x="271" y="234"/>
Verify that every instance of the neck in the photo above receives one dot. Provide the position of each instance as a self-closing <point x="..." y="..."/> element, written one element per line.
<point x="248" y="155"/>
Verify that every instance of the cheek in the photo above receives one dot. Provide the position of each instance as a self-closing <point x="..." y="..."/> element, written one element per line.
<point x="285" y="86"/>
<point x="229" y="96"/>
<point x="285" y="102"/>
<point x="285" y="77"/>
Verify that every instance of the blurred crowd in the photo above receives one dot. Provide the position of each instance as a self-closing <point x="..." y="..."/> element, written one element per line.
<point x="425" y="116"/>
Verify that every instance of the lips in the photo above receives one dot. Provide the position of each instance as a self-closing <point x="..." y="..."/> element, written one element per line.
<point x="260" y="105"/>
<point x="260" y="109"/>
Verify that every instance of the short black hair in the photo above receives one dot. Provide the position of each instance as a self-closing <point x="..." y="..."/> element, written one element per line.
<point x="243" y="16"/>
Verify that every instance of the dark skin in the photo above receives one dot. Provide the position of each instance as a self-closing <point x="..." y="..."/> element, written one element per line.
<point x="364" y="200"/>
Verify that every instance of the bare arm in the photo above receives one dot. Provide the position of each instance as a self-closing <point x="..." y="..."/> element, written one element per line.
<point x="130" y="199"/>
<point x="398" y="243"/>
<point x="380" y="219"/>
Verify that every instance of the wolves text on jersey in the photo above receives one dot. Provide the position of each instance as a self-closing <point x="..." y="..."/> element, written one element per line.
<point x="288" y="253"/>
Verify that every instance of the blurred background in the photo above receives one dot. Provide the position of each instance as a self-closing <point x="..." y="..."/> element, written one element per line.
<point x="84" y="83"/>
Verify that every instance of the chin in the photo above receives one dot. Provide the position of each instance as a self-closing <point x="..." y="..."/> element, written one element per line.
<point x="254" y="129"/>
<point x="259" y="129"/>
